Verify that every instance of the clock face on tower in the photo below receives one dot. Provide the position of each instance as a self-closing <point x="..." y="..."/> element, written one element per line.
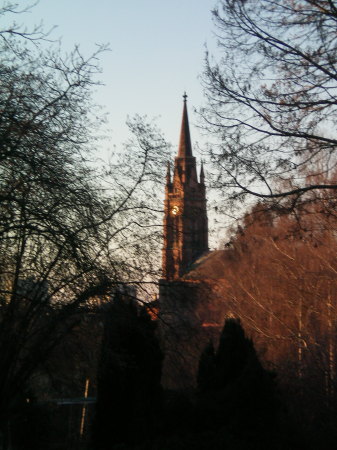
<point x="175" y="210"/>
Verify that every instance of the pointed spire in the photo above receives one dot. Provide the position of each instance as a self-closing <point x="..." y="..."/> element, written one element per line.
<point x="168" y="173"/>
<point x="202" y="173"/>
<point x="185" y="147"/>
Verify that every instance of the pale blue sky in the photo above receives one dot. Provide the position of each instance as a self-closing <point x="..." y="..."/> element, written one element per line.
<point x="157" y="51"/>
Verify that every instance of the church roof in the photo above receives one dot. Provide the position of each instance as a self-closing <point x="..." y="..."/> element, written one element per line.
<point x="210" y="266"/>
<point x="185" y="147"/>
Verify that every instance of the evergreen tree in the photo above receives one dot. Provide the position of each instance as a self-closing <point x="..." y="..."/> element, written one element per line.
<point x="206" y="369"/>
<point x="237" y="395"/>
<point x="129" y="391"/>
<point x="234" y="355"/>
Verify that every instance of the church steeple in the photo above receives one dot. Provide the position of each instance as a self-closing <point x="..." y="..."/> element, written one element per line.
<point x="185" y="220"/>
<point x="185" y="147"/>
<point x="185" y="164"/>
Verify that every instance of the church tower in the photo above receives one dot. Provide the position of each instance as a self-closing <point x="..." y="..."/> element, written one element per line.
<point x="185" y="219"/>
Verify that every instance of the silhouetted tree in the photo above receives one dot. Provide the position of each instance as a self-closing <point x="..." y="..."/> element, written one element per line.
<point x="66" y="224"/>
<point x="206" y="369"/>
<point x="271" y="96"/>
<point x="241" y="395"/>
<point x="234" y="356"/>
<point x="129" y="390"/>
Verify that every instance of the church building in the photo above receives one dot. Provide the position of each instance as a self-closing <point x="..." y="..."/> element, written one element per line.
<point x="185" y="220"/>
<point x="252" y="280"/>
<point x="186" y="322"/>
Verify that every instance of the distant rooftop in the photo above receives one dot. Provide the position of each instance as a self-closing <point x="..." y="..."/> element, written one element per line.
<point x="211" y="265"/>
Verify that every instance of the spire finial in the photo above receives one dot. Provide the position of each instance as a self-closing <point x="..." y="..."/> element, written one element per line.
<point x="185" y="97"/>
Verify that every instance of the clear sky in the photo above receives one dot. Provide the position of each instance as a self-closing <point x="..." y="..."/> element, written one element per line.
<point x="157" y="51"/>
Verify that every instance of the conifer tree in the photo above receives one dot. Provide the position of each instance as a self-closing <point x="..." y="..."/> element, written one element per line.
<point x="234" y="354"/>
<point x="206" y="369"/>
<point x="236" y="393"/>
<point x="129" y="391"/>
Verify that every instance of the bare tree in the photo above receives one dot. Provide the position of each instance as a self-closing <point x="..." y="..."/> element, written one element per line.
<point x="280" y="280"/>
<point x="271" y="96"/>
<point x="69" y="230"/>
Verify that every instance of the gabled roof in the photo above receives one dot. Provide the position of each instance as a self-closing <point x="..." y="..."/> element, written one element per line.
<point x="210" y="266"/>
